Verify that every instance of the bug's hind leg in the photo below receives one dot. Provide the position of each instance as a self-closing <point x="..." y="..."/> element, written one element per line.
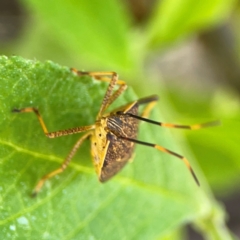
<point x="160" y="148"/>
<point x="62" y="167"/>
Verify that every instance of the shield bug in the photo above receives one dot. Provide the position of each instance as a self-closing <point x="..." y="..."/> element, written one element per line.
<point x="114" y="134"/>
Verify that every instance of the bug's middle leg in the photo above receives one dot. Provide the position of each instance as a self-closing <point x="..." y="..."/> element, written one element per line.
<point x="63" y="166"/>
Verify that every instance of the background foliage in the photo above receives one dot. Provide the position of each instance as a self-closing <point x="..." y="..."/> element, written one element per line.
<point x="156" y="195"/>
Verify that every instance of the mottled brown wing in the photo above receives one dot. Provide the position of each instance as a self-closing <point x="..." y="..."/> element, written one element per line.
<point x="119" y="151"/>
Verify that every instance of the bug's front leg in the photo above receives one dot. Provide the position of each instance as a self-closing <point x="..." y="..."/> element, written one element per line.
<point x="56" y="133"/>
<point x="35" y="110"/>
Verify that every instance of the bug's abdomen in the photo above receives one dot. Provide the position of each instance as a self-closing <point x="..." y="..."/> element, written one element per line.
<point x="119" y="150"/>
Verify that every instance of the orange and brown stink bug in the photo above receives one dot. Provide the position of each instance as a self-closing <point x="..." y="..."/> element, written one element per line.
<point x="114" y="134"/>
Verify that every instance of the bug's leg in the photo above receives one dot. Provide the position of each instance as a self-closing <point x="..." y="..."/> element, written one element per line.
<point x="114" y="96"/>
<point x="150" y="101"/>
<point x="122" y="86"/>
<point x="158" y="147"/>
<point x="101" y="76"/>
<point x="63" y="166"/>
<point x="171" y="125"/>
<point x="147" y="110"/>
<point x="113" y="80"/>
<point x="57" y="133"/>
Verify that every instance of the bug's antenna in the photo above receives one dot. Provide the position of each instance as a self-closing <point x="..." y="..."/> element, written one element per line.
<point x="166" y="151"/>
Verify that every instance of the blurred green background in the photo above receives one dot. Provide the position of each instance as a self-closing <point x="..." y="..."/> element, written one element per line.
<point x="185" y="51"/>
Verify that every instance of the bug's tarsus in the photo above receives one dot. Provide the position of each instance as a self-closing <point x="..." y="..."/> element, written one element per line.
<point x="46" y="177"/>
<point x="207" y="124"/>
<point x="194" y="176"/>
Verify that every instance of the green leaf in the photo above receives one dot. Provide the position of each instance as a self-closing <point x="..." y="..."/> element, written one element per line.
<point x="95" y="31"/>
<point x="177" y="18"/>
<point x="150" y="198"/>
